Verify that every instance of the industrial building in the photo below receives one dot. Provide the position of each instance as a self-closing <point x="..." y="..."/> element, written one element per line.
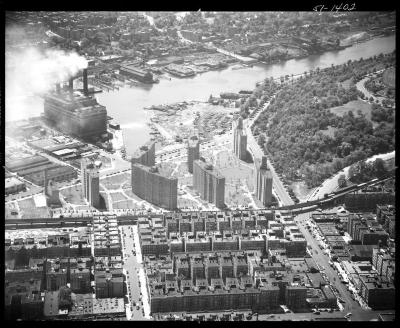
<point x="263" y="182"/>
<point x="136" y="73"/>
<point x="150" y="185"/>
<point x="75" y="113"/>
<point x="90" y="182"/>
<point x="145" y="155"/>
<point x="209" y="182"/>
<point x="32" y="169"/>
<point x="13" y="185"/>
<point x="240" y="140"/>
<point x="193" y="152"/>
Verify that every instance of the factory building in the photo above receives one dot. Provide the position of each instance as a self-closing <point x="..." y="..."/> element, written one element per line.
<point x="209" y="183"/>
<point x="136" y="73"/>
<point x="13" y="185"/>
<point x="150" y="185"/>
<point x="145" y="155"/>
<point x="193" y="152"/>
<point x="90" y="182"/>
<point x="74" y="113"/>
<point x="263" y="182"/>
<point x="240" y="140"/>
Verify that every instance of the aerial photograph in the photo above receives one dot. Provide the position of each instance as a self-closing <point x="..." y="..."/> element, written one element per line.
<point x="200" y="165"/>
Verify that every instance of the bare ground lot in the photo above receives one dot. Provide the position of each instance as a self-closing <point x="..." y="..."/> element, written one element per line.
<point x="115" y="181"/>
<point x="73" y="195"/>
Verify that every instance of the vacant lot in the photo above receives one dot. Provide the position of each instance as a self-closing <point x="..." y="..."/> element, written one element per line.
<point x="26" y="204"/>
<point x="184" y="202"/>
<point x="354" y="106"/>
<point x="73" y="195"/>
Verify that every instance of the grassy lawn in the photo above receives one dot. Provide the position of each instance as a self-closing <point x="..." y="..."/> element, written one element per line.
<point x="184" y="202"/>
<point x="330" y="131"/>
<point x="117" y="196"/>
<point x="347" y="83"/>
<point x="354" y="106"/>
<point x="125" y="204"/>
<point x="389" y="77"/>
<point x="115" y="181"/>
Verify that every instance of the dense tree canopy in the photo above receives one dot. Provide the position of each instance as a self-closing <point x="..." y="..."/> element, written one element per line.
<point x="297" y="121"/>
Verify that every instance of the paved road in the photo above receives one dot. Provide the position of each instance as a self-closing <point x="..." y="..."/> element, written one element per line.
<point x="255" y="149"/>
<point x="132" y="267"/>
<point x="360" y="86"/>
<point x="331" y="184"/>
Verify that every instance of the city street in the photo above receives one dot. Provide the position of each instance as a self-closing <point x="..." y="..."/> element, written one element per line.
<point x="132" y="267"/>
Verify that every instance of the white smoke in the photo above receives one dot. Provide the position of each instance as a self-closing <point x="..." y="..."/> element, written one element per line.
<point x="31" y="73"/>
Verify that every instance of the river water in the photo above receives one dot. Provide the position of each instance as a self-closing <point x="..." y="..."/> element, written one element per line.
<point x="126" y="105"/>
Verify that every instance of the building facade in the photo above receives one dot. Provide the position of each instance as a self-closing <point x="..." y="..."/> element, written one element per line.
<point x="145" y="155"/>
<point x="150" y="185"/>
<point x="263" y="182"/>
<point x="76" y="114"/>
<point x="209" y="183"/>
<point x="240" y="140"/>
<point x="193" y="152"/>
<point x="90" y="182"/>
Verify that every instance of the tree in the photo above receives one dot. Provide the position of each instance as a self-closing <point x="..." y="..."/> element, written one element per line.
<point x="342" y="181"/>
<point x="379" y="168"/>
<point x="64" y="298"/>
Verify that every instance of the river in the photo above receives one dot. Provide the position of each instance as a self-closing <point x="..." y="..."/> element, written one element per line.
<point x="126" y="105"/>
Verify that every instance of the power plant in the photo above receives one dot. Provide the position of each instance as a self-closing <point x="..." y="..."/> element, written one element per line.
<point x="76" y="113"/>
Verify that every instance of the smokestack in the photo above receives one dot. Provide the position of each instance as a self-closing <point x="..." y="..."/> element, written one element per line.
<point x="71" y="84"/>
<point x="58" y="88"/>
<point x="85" y="83"/>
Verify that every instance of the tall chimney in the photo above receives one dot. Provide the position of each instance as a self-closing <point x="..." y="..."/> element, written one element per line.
<point x="71" y="84"/>
<point x="85" y="83"/>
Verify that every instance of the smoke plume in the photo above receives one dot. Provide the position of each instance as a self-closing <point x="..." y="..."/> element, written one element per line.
<point x="31" y="73"/>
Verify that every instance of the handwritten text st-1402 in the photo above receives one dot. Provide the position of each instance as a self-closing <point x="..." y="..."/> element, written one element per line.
<point x="336" y="8"/>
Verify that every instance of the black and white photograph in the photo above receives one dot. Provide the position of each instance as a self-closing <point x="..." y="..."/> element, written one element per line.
<point x="200" y="165"/>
